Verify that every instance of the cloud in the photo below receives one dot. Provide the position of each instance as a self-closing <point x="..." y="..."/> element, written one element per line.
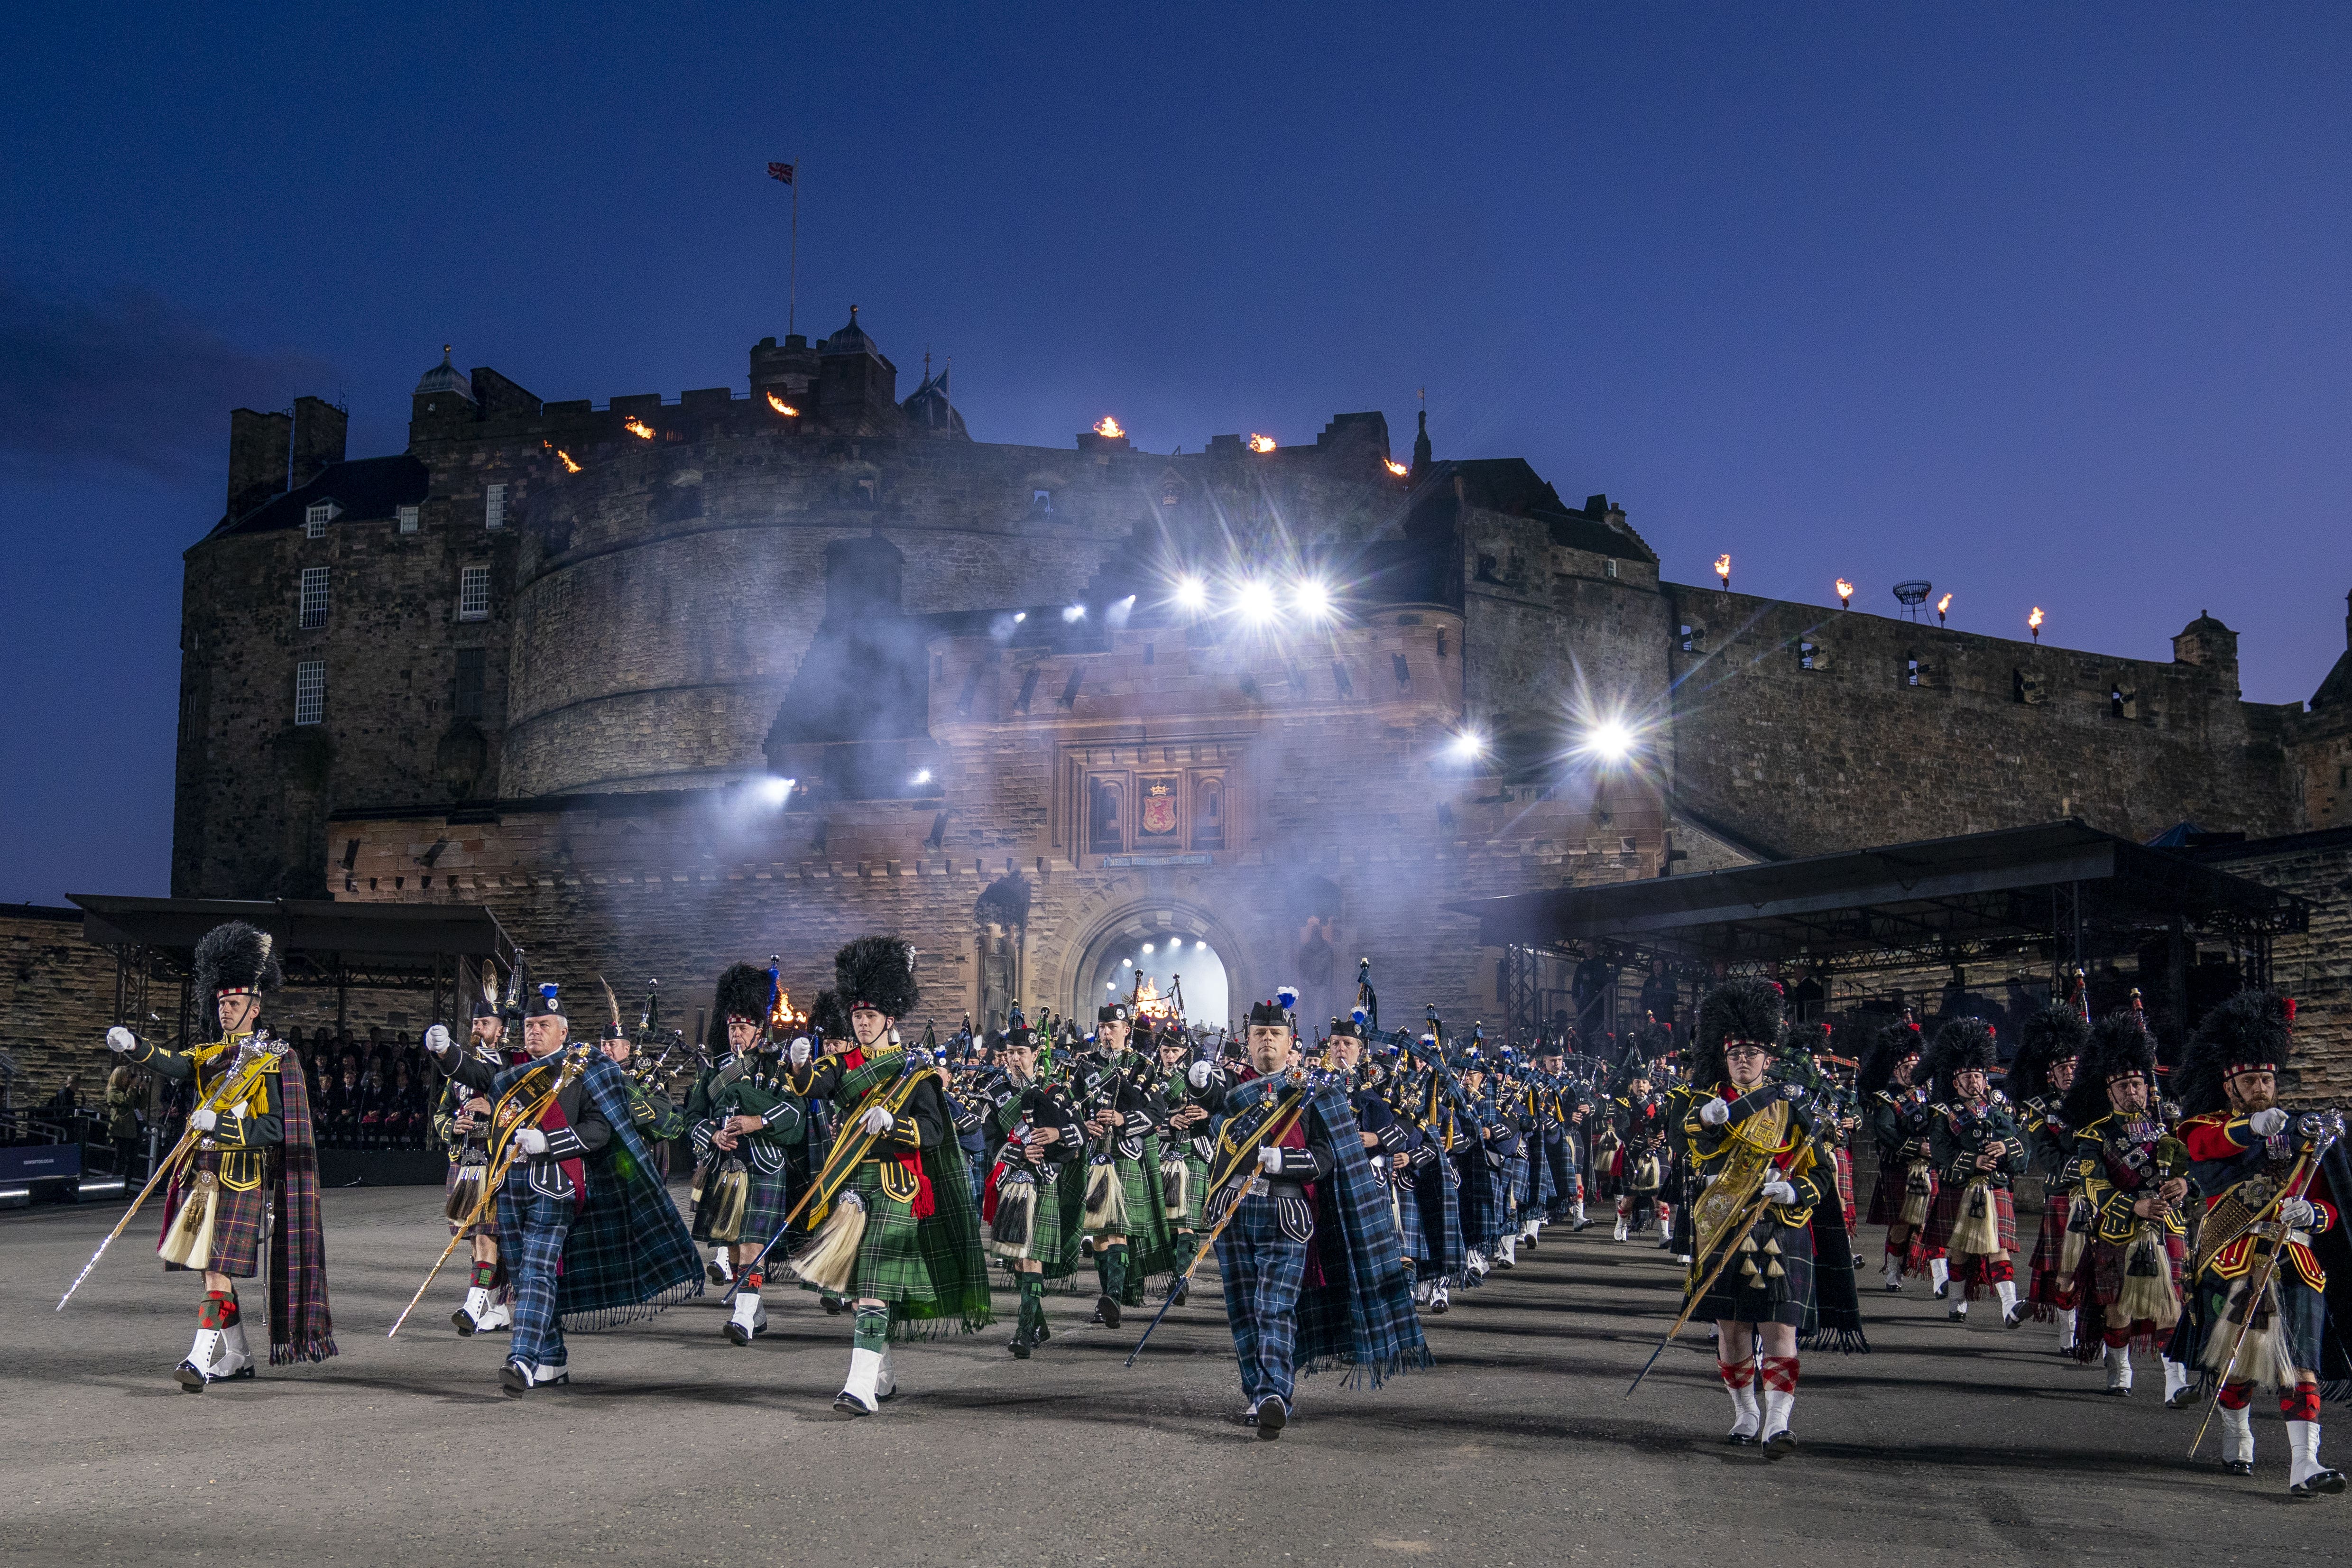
<point x="129" y="380"/>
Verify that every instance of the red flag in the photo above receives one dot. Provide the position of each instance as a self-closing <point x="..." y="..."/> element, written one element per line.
<point x="781" y="171"/>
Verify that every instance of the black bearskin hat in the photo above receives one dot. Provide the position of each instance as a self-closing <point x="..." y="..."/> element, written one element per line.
<point x="2054" y="1034"/>
<point x="1735" y="1010"/>
<point x="1962" y="1044"/>
<point x="877" y="972"/>
<point x="825" y="1014"/>
<point x="236" y="957"/>
<point x="2118" y="1048"/>
<point x="1634" y="1065"/>
<point x="1894" y="1042"/>
<point x="2250" y="1029"/>
<point x="743" y="993"/>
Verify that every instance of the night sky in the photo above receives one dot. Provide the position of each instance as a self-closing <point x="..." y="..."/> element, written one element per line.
<point x="2046" y="304"/>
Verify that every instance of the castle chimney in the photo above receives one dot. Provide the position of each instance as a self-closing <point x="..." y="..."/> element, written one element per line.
<point x="319" y="430"/>
<point x="258" y="444"/>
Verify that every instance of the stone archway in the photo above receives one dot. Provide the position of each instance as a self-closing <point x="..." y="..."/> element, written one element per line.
<point x="1141" y="918"/>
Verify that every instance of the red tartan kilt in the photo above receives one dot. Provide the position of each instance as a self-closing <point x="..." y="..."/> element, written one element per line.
<point x="1845" y="1186"/>
<point x="1947" y="1213"/>
<point x="2043" y="1283"/>
<point x="1887" y="1192"/>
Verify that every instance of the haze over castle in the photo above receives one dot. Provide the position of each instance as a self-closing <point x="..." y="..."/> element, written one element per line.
<point x="551" y="658"/>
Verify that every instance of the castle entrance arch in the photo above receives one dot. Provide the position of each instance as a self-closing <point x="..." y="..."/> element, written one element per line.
<point x="1166" y="940"/>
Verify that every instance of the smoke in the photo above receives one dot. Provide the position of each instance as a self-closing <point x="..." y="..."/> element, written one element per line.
<point x="129" y="381"/>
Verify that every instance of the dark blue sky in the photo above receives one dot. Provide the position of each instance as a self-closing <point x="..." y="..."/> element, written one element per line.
<point x="2046" y="304"/>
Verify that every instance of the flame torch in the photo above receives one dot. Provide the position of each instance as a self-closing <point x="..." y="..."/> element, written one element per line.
<point x="1723" y="570"/>
<point x="1845" y="593"/>
<point x="2034" y="624"/>
<point x="1943" y="608"/>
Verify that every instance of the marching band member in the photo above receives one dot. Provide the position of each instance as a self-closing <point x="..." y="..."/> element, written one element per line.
<point x="2133" y="1175"/>
<point x="1977" y="1151"/>
<point x="2039" y="1078"/>
<point x="743" y="1120"/>
<point x="463" y="1122"/>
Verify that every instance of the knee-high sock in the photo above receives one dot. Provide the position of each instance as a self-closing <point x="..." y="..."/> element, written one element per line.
<point x="1113" y="1259"/>
<point x="871" y="1329"/>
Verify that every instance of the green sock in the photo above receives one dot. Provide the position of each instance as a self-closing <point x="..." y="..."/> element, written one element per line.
<point x="872" y="1331"/>
<point x="1115" y="1271"/>
<point x="1033" y="1300"/>
<point x="1102" y="1269"/>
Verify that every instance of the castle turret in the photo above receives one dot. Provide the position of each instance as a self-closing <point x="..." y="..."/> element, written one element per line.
<point x="856" y="387"/>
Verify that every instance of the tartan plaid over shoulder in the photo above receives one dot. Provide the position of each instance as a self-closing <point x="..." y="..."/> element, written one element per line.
<point x="628" y="1255"/>
<point x="947" y="1239"/>
<point x="1361" y="1316"/>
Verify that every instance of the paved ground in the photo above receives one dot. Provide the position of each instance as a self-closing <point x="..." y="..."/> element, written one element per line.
<point x="1947" y="1446"/>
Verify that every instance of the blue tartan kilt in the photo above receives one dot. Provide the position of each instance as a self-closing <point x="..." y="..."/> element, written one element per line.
<point x="764" y="1208"/>
<point x="1408" y="1226"/>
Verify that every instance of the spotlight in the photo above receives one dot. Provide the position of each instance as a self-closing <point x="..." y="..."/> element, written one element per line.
<point x="1313" y="597"/>
<point x="1127" y="963"/>
<point x="1110" y="984"/>
<point x="1467" y="745"/>
<point x="776" y="791"/>
<point x="922" y="777"/>
<point x="1191" y="593"/>
<point x="1020" y="617"/>
<point x="1609" y="740"/>
<point x="1255" y="601"/>
<point x="1075" y="613"/>
<point x="1147" y="947"/>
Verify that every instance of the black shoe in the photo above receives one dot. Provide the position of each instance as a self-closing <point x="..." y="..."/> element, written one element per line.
<point x="1107" y="1312"/>
<point x="831" y="1306"/>
<point x="1271" y="1417"/>
<point x="2239" y="1467"/>
<point x="191" y="1377"/>
<point x="2317" y="1482"/>
<point x="1181" y="1294"/>
<point x="1019" y="1346"/>
<point x="2015" y="1316"/>
<point x="737" y="1333"/>
<point x="463" y="1322"/>
<point x="1781" y="1442"/>
<point x="1043" y="1331"/>
<point x="1895" y="1289"/>
<point x="1943" y="1291"/>
<point x="845" y="1403"/>
<point x="1582" y="1225"/>
<point x="716" y="1274"/>
<point x="515" y="1377"/>
<point x="1740" y="1439"/>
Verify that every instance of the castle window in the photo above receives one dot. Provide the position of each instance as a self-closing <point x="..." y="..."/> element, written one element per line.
<point x="1911" y="669"/>
<point x="1806" y="652"/>
<point x="315" y="519"/>
<point x="314" y="597"/>
<point x="311" y="691"/>
<point x="474" y="594"/>
<point x="1105" y="830"/>
<point x="408" y="520"/>
<point x="1041" y="501"/>
<point x="1689" y="638"/>
<point x="493" y="507"/>
<point x="472" y="662"/>
<point x="1347" y="687"/>
<point x="1209" y="814"/>
<point x="1403" y="670"/>
<point x="1608" y="567"/>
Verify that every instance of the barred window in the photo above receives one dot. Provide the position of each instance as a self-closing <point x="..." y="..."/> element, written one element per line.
<point x="314" y="597"/>
<point x="474" y="594"/>
<point x="311" y="691"/>
<point x="408" y="520"/>
<point x="494" y="507"/>
<point x="316" y="518"/>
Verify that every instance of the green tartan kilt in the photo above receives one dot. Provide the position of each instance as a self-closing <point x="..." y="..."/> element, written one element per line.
<point x="1150" y="1243"/>
<point x="890" y="1263"/>
<point x="1196" y="1192"/>
<point x="1052" y="1238"/>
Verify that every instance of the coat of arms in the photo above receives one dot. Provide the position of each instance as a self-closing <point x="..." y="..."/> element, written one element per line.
<point x="1158" y="806"/>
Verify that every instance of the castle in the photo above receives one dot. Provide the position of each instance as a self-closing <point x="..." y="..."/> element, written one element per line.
<point x="1037" y="706"/>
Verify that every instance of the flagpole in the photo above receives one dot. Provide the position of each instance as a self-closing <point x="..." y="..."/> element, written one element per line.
<point x="792" y="275"/>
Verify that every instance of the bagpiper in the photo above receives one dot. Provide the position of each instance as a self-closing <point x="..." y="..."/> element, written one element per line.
<point x="743" y="1120"/>
<point x="1638" y="1167"/>
<point x="898" y="1232"/>
<point x="1037" y="1145"/>
<point x="1752" y="1150"/>
<point x="254" y="1159"/>
<point x="462" y="1120"/>
<point x="1429" y="1212"/>
<point x="2041" y="1077"/>
<point x="1125" y="1211"/>
<point x="2271" y="1185"/>
<point x="1895" y="1102"/>
<point x="1977" y="1153"/>
<point x="1186" y="1142"/>
<point x="593" y="1238"/>
<point x="1307" y="1245"/>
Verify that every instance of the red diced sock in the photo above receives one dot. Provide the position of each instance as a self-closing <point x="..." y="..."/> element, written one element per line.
<point x="2300" y="1403"/>
<point x="1735" y="1375"/>
<point x="1777" y="1373"/>
<point x="2236" y="1396"/>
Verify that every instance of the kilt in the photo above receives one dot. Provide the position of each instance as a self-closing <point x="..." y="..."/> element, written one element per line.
<point x="1946" y="1214"/>
<point x="1410" y="1230"/>
<point x="2045" y="1285"/>
<point x="1887" y="1194"/>
<point x="890" y="1265"/>
<point x="765" y="1207"/>
<point x="240" y="1219"/>
<point x="1052" y="1242"/>
<point x="1845" y="1186"/>
<point x="1196" y="1191"/>
<point x="1141" y="1195"/>
<point x="1736" y="1297"/>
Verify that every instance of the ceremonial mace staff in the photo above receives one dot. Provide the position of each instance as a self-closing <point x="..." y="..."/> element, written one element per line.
<point x="2258" y="1294"/>
<point x="253" y="1059"/>
<point x="573" y="1063"/>
<point x="1278" y="1125"/>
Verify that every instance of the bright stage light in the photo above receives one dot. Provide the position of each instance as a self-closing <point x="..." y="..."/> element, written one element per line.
<point x="1312" y="598"/>
<point x="1191" y="593"/>
<point x="1126" y="963"/>
<point x="776" y="792"/>
<point x="922" y="777"/>
<point x="1147" y="947"/>
<point x="1610" y="741"/>
<point x="1255" y="601"/>
<point x="1467" y="745"/>
<point x="1075" y="613"/>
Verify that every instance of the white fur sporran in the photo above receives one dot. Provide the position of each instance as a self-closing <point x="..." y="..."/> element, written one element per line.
<point x="829" y="1263"/>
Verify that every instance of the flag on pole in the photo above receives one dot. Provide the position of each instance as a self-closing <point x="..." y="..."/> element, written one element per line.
<point x="781" y="171"/>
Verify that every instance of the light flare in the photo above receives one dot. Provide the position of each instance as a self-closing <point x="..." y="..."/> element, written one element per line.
<point x="638" y="427"/>
<point x="1392" y="465"/>
<point x="1262" y="443"/>
<point x="1107" y="427"/>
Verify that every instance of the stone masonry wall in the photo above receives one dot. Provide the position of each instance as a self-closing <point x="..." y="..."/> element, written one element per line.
<point x="61" y="999"/>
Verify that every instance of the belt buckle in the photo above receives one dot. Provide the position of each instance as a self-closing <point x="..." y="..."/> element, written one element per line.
<point x="1259" y="1186"/>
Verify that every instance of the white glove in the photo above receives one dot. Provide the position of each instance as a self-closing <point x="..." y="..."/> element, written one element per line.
<point x="531" y="1140"/>
<point x="121" y="1040"/>
<point x="878" y="1121"/>
<point x="1715" y="1111"/>
<point x="437" y="1039"/>
<point x="1199" y="1074"/>
<point x="2296" y="1214"/>
<point x="203" y="1118"/>
<point x="1779" y="1192"/>
<point x="2266" y="1122"/>
<point x="800" y="1050"/>
<point x="1269" y="1158"/>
